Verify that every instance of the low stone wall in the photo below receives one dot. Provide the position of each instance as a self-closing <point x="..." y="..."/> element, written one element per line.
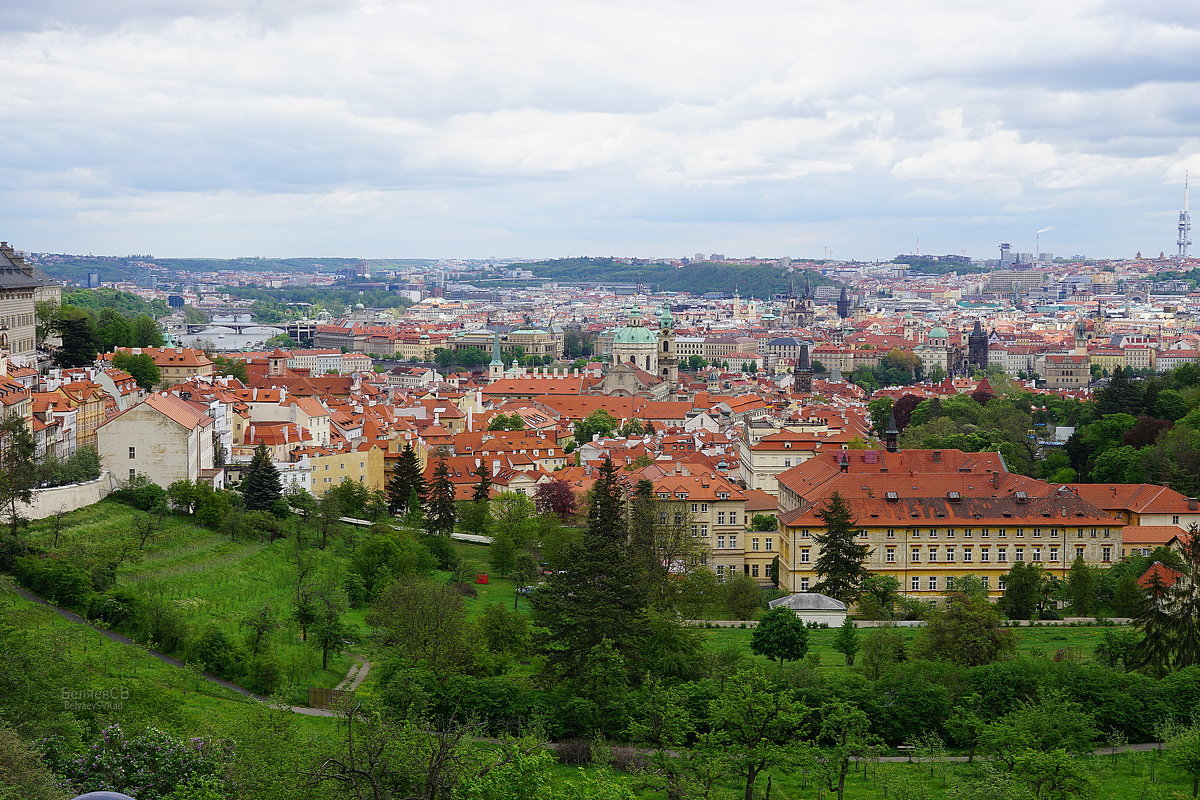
<point x="69" y="497"/>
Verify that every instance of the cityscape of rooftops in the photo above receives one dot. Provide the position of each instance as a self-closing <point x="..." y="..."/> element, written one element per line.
<point x="584" y="401"/>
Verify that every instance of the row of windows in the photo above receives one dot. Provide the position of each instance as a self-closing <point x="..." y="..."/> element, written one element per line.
<point x="731" y="571"/>
<point x="984" y="533"/>
<point x="968" y="554"/>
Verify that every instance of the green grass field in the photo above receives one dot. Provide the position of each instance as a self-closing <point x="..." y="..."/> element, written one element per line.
<point x="210" y="579"/>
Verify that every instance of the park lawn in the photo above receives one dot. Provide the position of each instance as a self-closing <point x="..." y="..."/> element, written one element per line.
<point x="211" y="579"/>
<point x="1128" y="776"/>
<point x="1075" y="642"/>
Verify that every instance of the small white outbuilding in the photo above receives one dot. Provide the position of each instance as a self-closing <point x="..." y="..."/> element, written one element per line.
<point x="814" y="607"/>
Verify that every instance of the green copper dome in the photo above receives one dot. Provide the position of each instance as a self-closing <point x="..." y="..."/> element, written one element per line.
<point x="635" y="335"/>
<point x="939" y="333"/>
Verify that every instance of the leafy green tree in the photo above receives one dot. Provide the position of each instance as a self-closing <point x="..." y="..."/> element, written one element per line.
<point x="19" y="474"/>
<point x="846" y="641"/>
<point x="596" y="595"/>
<point x="475" y="514"/>
<point x="968" y="632"/>
<point x="141" y="366"/>
<point x="505" y="631"/>
<point x="1081" y="588"/>
<point x="764" y="522"/>
<point x="261" y="487"/>
<point x="1183" y="753"/>
<point x="743" y="597"/>
<point x="112" y="330"/>
<point x="599" y="422"/>
<point x="780" y="634"/>
<point x="282" y="341"/>
<point x="1055" y="775"/>
<point x="231" y="367"/>
<point x="440" y="510"/>
<point x="882" y="648"/>
<point x="843" y="737"/>
<point x="1048" y="723"/>
<point x="427" y="622"/>
<point x="1021" y="590"/>
<point x="507" y="422"/>
<point x="754" y="727"/>
<point x="879" y="596"/>
<point x="840" y="565"/>
<point x="144" y="332"/>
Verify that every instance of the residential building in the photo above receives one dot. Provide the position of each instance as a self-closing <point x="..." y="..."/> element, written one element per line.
<point x="165" y="438"/>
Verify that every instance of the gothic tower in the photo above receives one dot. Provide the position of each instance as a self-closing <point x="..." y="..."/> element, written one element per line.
<point x="843" y="304"/>
<point x="977" y="347"/>
<point x="803" y="374"/>
<point x="668" y="358"/>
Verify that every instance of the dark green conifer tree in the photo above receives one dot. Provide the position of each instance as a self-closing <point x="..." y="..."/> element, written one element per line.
<point x="597" y="595"/>
<point x="406" y="478"/>
<point x="261" y="486"/>
<point x="840" y="564"/>
<point x="440" y="511"/>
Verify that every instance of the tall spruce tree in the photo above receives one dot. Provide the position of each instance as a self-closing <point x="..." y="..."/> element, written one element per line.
<point x="261" y="486"/>
<point x="1168" y="612"/>
<point x="440" y="511"/>
<point x="840" y="563"/>
<point x="475" y="513"/>
<point x="406" y="478"/>
<point x="597" y="596"/>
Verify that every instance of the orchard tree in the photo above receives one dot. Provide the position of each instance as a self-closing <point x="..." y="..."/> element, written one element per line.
<point x="846" y="641"/>
<point x="19" y="474"/>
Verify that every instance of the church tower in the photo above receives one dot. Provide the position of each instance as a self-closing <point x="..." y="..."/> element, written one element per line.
<point x="803" y="374"/>
<point x="496" y="368"/>
<point x="668" y="358"/>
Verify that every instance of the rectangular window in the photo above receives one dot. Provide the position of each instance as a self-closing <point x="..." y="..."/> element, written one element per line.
<point x="720" y="542"/>
<point x="967" y="532"/>
<point x="1037" y="554"/>
<point x="1000" y="583"/>
<point x="933" y="533"/>
<point x="933" y="554"/>
<point x="916" y="533"/>
<point x="966" y="554"/>
<point x="695" y="507"/>
<point x="1175" y="519"/>
<point x="1053" y="554"/>
<point x="720" y="517"/>
<point x="733" y="542"/>
<point x="915" y="583"/>
<point x="985" y="533"/>
<point x="132" y="473"/>
<point x="804" y="534"/>
<point x="720" y="572"/>
<point x="133" y="452"/>
<point x="985" y="554"/>
<point x="1054" y="533"/>
<point x="1106" y="554"/>
<point x="1002" y="554"/>
<point x="704" y="508"/>
<point x="1019" y="554"/>
<point x="949" y="553"/>
<point x="890" y="555"/>
<point x="916" y="556"/>
<point x="662" y="519"/>
<point x="1020" y="533"/>
<point x="704" y="529"/>
<point x="891" y="533"/>
<point x="1079" y="552"/>
<point x="804" y="584"/>
<point x="949" y="584"/>
<point x="950" y="533"/>
<point x="754" y="545"/>
<point x="932" y="583"/>
<point x="787" y="462"/>
<point x="754" y="570"/>
<point x="986" y="580"/>
<point x="770" y="543"/>
<point x="804" y="556"/>
<point x="733" y="518"/>
<point x="1037" y="532"/>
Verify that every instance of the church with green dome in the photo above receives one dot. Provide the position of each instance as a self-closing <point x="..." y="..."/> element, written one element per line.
<point x="644" y="361"/>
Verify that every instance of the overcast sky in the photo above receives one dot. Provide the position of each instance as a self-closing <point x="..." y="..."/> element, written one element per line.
<point x="553" y="128"/>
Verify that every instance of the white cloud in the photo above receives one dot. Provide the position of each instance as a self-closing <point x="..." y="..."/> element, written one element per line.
<point x="470" y="127"/>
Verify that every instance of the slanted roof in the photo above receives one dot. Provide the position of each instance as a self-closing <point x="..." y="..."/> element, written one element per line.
<point x="808" y="601"/>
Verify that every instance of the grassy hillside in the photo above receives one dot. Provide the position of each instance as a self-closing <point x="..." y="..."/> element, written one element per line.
<point x="699" y="277"/>
<point x="209" y="579"/>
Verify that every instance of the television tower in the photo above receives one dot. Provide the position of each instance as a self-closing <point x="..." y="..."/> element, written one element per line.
<point x="1185" y="223"/>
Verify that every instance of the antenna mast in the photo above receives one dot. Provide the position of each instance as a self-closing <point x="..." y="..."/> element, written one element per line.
<point x="1185" y="222"/>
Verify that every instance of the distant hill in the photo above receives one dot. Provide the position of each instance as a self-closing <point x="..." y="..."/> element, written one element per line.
<point x="131" y="268"/>
<point x="758" y="280"/>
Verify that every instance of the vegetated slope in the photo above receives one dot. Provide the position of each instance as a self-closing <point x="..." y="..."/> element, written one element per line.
<point x="208" y="579"/>
<point x="751" y="280"/>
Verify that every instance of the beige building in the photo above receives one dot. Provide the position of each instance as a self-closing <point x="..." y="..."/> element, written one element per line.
<point x="22" y="287"/>
<point x="1067" y="370"/>
<point x="331" y="467"/>
<point x="164" y="438"/>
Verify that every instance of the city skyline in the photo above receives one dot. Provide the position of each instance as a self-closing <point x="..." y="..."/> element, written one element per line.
<point x="541" y="130"/>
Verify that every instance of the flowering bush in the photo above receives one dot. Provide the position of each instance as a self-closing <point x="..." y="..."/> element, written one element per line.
<point x="148" y="765"/>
